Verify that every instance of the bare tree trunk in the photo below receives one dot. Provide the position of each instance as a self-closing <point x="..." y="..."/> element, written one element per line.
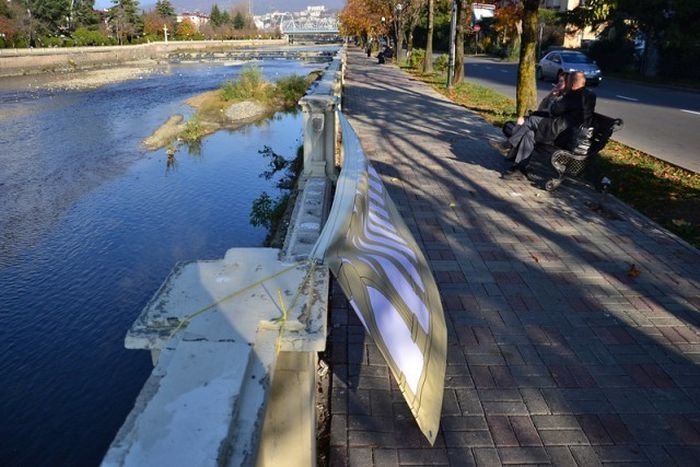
<point x="399" y="40"/>
<point x="459" y="40"/>
<point x="526" y="92"/>
<point x="428" y="61"/>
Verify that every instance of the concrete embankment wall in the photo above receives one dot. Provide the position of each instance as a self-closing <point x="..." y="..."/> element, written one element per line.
<point x="17" y="62"/>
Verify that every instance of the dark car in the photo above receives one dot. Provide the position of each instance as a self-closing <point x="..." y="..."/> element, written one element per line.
<point x="568" y="60"/>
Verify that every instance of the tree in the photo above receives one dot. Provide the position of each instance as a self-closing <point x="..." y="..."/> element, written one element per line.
<point x="165" y="9"/>
<point x="671" y="29"/>
<point x="10" y="24"/>
<point x="153" y="25"/>
<point x="363" y="18"/>
<point x="185" y="29"/>
<point x="506" y="24"/>
<point x="462" y="9"/>
<point x="33" y="19"/>
<point x="526" y="91"/>
<point x="124" y="19"/>
<point x="215" y="17"/>
<point x="428" y="61"/>
<point x="238" y="21"/>
<point x="411" y="16"/>
<point x="226" y="18"/>
<point x="83" y="15"/>
<point x="155" y="22"/>
<point x="47" y="16"/>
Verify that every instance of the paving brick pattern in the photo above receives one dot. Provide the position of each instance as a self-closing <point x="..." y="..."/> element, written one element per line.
<point x="556" y="354"/>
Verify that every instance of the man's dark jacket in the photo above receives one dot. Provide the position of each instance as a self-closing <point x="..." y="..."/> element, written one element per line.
<point x="574" y="109"/>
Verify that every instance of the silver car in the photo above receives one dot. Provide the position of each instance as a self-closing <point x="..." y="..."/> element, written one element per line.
<point x="568" y="60"/>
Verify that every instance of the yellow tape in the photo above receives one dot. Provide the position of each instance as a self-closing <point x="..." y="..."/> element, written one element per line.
<point x="189" y="317"/>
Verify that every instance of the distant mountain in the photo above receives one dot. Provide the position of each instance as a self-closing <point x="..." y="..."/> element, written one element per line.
<point x="259" y="6"/>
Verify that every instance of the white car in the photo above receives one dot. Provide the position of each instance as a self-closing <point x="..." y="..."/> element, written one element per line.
<point x="568" y="60"/>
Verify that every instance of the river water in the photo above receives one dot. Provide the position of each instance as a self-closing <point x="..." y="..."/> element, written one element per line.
<point x="90" y="226"/>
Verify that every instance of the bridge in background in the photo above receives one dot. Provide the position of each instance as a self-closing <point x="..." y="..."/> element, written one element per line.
<point x="310" y="27"/>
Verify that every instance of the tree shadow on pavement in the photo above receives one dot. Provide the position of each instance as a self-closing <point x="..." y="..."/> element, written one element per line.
<point x="554" y="342"/>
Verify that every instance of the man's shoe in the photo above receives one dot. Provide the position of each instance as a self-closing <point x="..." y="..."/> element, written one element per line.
<point x="515" y="173"/>
<point x="511" y="173"/>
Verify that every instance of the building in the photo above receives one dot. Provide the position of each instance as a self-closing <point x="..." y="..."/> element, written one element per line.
<point x="573" y="36"/>
<point x="197" y="18"/>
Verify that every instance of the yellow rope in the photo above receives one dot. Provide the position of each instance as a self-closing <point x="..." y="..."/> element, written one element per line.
<point x="284" y="309"/>
<point x="188" y="318"/>
<point x="293" y="304"/>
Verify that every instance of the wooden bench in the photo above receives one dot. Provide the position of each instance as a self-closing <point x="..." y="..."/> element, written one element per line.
<point x="570" y="163"/>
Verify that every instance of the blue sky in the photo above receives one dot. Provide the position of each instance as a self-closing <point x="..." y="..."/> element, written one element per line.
<point x="260" y="5"/>
<point x="104" y="4"/>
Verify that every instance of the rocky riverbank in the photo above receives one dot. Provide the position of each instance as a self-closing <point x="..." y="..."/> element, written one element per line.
<point x="83" y="79"/>
<point x="232" y="116"/>
<point x="23" y="62"/>
<point x="95" y="78"/>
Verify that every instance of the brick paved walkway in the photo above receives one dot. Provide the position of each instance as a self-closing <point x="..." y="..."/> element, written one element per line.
<point x="556" y="355"/>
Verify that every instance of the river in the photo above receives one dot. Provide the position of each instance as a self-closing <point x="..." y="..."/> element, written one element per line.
<point x="90" y="226"/>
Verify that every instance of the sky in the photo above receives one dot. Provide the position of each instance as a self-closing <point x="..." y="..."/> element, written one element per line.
<point x="260" y="6"/>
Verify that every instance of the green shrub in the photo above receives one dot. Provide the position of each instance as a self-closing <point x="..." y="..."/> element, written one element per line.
<point x="415" y="60"/>
<point x="193" y="130"/>
<point x="249" y="85"/>
<point x="290" y="89"/>
<point x="84" y="36"/>
<point x="52" y="41"/>
<point x="441" y="63"/>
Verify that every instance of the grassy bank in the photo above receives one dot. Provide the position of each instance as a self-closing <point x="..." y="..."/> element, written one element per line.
<point x="663" y="192"/>
<point x="214" y="108"/>
<point x="248" y="99"/>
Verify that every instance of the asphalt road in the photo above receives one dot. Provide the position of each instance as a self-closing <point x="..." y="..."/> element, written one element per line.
<point x="659" y="121"/>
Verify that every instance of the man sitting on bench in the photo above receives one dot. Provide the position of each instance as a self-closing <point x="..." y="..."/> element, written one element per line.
<point x="567" y="113"/>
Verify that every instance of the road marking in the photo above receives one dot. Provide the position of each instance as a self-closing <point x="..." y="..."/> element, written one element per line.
<point x="627" y="98"/>
<point x="690" y="111"/>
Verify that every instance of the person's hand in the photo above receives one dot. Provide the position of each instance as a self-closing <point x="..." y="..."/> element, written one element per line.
<point x="559" y="88"/>
<point x="520" y="121"/>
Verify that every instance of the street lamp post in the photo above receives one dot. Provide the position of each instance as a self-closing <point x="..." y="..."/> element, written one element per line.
<point x="31" y="28"/>
<point x="399" y="33"/>
<point x="381" y="33"/>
